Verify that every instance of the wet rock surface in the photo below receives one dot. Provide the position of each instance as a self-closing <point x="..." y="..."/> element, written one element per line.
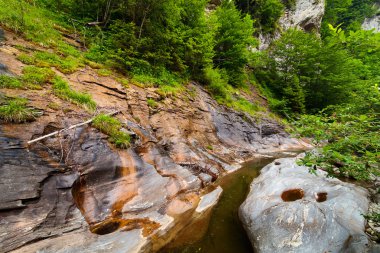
<point x="74" y="192"/>
<point x="305" y="212"/>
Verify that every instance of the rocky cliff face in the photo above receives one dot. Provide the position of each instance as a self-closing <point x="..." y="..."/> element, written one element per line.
<point x="372" y="23"/>
<point x="306" y="15"/>
<point x="75" y="192"/>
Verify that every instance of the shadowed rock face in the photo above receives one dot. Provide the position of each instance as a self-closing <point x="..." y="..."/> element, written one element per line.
<point x="76" y="193"/>
<point x="303" y="211"/>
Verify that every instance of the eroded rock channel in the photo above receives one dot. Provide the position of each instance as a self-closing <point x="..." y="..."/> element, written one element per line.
<point x="75" y="192"/>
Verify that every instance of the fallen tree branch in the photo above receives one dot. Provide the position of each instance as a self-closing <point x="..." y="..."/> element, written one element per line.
<point x="67" y="129"/>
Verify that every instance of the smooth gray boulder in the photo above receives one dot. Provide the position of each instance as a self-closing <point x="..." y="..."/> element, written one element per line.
<point x="289" y="209"/>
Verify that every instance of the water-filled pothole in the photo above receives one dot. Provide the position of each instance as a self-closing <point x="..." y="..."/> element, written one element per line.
<point x="292" y="195"/>
<point x="321" y="196"/>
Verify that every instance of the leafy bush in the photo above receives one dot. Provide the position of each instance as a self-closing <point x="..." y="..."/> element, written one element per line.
<point x="111" y="126"/>
<point x="10" y="82"/>
<point x="16" y="111"/>
<point x="350" y="14"/>
<point x="216" y="81"/>
<point x="266" y="13"/>
<point x="233" y="37"/>
<point x="63" y="90"/>
<point x="353" y="148"/>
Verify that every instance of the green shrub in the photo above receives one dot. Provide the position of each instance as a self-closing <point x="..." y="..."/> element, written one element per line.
<point x="233" y="38"/>
<point x="216" y="82"/>
<point x="353" y="148"/>
<point x="10" y="82"/>
<point x="16" y="111"/>
<point x="112" y="127"/>
<point x="266" y="13"/>
<point x="64" y="91"/>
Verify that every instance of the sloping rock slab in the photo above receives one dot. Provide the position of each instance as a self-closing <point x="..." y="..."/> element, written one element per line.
<point x="291" y="210"/>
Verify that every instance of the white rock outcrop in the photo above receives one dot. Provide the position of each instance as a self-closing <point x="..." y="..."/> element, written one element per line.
<point x="372" y="23"/>
<point x="306" y="15"/>
<point x="291" y="210"/>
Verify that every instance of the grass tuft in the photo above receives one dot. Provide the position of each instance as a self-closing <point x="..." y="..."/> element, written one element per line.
<point x="62" y="89"/>
<point x="16" y="111"/>
<point x="34" y="77"/>
<point x="152" y="103"/>
<point x="104" y="72"/>
<point x="26" y="59"/>
<point x="66" y="65"/>
<point x="10" y="82"/>
<point x="111" y="126"/>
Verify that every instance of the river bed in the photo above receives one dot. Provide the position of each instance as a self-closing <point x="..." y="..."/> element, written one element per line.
<point x="224" y="234"/>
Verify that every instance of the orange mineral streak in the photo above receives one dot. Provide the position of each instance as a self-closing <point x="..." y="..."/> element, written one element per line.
<point x="113" y="224"/>
<point x="119" y="191"/>
<point x="127" y="187"/>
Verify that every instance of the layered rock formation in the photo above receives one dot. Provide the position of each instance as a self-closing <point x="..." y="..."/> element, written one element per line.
<point x="304" y="211"/>
<point x="74" y="192"/>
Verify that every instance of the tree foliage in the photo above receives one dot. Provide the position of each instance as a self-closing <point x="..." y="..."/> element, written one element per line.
<point x="350" y="14"/>
<point x="266" y="13"/>
<point x="310" y="73"/>
<point x="233" y="38"/>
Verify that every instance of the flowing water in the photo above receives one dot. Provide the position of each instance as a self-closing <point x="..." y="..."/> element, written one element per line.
<point x="225" y="233"/>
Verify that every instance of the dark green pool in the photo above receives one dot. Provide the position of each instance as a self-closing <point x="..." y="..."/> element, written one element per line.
<point x="225" y="234"/>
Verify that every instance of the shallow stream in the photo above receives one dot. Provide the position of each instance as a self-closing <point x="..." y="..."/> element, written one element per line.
<point x="225" y="234"/>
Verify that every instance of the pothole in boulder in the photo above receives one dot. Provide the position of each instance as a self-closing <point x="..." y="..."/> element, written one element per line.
<point x="292" y="195"/>
<point x="321" y="196"/>
<point x="106" y="227"/>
